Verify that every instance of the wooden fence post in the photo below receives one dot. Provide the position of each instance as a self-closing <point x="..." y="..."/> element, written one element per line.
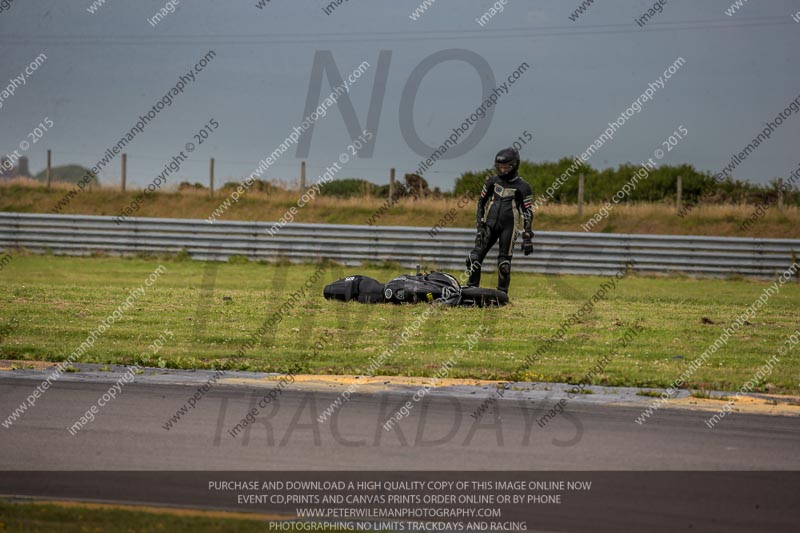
<point x="302" y="176"/>
<point x="391" y="182"/>
<point x="580" y="195"/>
<point x="679" y="195"/>
<point x="49" y="167"/>
<point x="211" y="177"/>
<point x="780" y="195"/>
<point x="124" y="170"/>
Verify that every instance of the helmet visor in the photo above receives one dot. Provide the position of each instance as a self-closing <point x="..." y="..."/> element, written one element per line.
<point x="504" y="168"/>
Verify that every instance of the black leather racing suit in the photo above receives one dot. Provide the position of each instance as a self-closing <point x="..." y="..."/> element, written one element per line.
<point x="504" y="209"/>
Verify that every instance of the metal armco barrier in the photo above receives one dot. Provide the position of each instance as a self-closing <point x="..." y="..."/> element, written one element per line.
<point x="554" y="252"/>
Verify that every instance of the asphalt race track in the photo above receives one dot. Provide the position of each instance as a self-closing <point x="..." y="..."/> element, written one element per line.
<point x="640" y="473"/>
<point x="439" y="433"/>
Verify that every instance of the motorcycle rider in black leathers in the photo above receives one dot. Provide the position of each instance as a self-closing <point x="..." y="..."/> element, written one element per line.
<point x="504" y="209"/>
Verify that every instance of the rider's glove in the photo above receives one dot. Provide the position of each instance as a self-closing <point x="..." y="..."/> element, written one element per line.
<point x="527" y="242"/>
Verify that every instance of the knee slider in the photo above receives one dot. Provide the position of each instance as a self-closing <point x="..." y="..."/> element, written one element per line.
<point x="504" y="268"/>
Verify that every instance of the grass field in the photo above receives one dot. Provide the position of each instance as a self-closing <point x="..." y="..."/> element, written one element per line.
<point x="50" y="304"/>
<point x="722" y="220"/>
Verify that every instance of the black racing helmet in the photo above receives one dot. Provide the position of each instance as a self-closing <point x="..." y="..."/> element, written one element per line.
<point x="507" y="156"/>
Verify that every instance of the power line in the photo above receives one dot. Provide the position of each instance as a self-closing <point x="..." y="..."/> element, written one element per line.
<point x="382" y="34"/>
<point x="223" y="162"/>
<point x="427" y="35"/>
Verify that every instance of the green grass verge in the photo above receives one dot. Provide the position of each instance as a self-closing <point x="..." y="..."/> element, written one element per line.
<point x="50" y="304"/>
<point x="43" y="517"/>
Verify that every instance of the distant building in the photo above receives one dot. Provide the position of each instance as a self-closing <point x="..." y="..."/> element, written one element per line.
<point x="8" y="170"/>
<point x="22" y="167"/>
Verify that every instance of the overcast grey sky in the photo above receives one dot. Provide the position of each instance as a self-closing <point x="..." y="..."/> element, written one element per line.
<point x="105" y="69"/>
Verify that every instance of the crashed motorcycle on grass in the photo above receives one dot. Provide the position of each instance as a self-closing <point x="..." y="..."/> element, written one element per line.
<point x="433" y="287"/>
